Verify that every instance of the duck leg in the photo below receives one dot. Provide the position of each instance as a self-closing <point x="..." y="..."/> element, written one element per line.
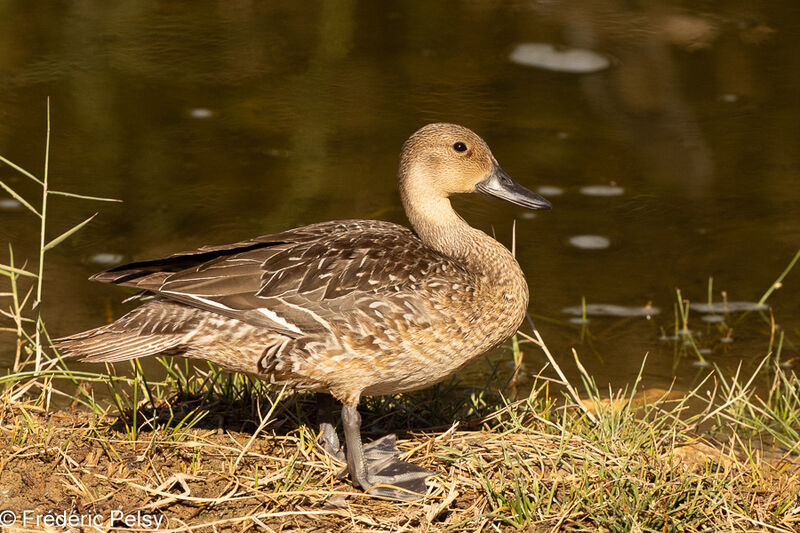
<point x="328" y="439"/>
<point x="377" y="463"/>
<point x="374" y="452"/>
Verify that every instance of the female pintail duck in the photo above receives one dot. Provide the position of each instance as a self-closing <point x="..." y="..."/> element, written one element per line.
<point x="349" y="308"/>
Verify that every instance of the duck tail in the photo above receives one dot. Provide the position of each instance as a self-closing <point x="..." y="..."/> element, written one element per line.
<point x="101" y="345"/>
<point x="139" y="333"/>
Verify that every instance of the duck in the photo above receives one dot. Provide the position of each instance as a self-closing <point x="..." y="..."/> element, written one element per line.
<point x="345" y="308"/>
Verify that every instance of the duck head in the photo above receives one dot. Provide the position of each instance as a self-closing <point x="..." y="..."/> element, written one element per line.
<point x="444" y="159"/>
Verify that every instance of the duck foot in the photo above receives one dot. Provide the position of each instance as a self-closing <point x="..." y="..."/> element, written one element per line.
<point x="392" y="477"/>
<point x="328" y="439"/>
<point x="329" y="442"/>
<point x="407" y="480"/>
<point x="376" y="468"/>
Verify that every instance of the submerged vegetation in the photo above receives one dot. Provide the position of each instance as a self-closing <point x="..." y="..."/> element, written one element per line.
<point x="200" y="449"/>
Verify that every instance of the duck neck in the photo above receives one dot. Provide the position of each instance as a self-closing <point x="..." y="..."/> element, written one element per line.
<point x="441" y="228"/>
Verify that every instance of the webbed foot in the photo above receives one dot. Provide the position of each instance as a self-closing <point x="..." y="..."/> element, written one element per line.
<point x="329" y="442"/>
<point x="391" y="477"/>
<point x="376" y="468"/>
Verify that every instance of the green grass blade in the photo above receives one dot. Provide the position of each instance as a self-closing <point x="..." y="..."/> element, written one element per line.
<point x="7" y="270"/>
<point x="58" y="240"/>
<point x="777" y="282"/>
<point x="84" y="197"/>
<point x="21" y="170"/>
<point x="20" y="199"/>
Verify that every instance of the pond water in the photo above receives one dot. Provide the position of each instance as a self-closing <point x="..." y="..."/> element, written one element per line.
<point x="665" y="134"/>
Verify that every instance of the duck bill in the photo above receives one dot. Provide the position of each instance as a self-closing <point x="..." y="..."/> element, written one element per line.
<point x="500" y="185"/>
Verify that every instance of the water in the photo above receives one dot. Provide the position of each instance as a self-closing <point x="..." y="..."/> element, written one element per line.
<point x="217" y="121"/>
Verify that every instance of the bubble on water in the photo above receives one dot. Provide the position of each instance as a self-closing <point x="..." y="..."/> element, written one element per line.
<point x="277" y="152"/>
<point x="612" y="310"/>
<point x="701" y="364"/>
<point x="548" y="56"/>
<point x="201" y="112"/>
<point x="726" y="340"/>
<point x="105" y="258"/>
<point x="590" y="242"/>
<point x="527" y="215"/>
<point x="578" y="320"/>
<point x="9" y="204"/>
<point x="602" y="190"/>
<point x="727" y="307"/>
<point x="683" y="335"/>
<point x="729" y="98"/>
<point x="713" y="319"/>
<point x="550" y="190"/>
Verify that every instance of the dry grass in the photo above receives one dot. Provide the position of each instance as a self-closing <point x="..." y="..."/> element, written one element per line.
<point x="536" y="464"/>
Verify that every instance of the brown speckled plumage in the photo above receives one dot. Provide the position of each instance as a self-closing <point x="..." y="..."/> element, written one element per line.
<point x="351" y="307"/>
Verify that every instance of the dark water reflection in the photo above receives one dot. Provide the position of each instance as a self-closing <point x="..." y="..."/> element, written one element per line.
<point x="216" y="121"/>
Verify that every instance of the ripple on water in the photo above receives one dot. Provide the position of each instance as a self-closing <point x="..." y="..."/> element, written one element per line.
<point x="602" y="190"/>
<point x="555" y="58"/>
<point x="590" y="242"/>
<point x="683" y="334"/>
<point x="9" y="204"/>
<point x="201" y="112"/>
<point x="612" y="310"/>
<point x="727" y="307"/>
<point x="106" y="259"/>
<point x="550" y="190"/>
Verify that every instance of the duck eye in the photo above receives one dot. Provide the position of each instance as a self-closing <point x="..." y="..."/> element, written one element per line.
<point x="460" y="147"/>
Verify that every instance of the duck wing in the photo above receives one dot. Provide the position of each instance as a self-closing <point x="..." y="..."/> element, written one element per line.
<point x="294" y="282"/>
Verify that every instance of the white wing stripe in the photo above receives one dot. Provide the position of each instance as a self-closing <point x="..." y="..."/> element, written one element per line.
<point x="309" y="312"/>
<point x="181" y="280"/>
<point x="272" y="315"/>
<point x="206" y="301"/>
